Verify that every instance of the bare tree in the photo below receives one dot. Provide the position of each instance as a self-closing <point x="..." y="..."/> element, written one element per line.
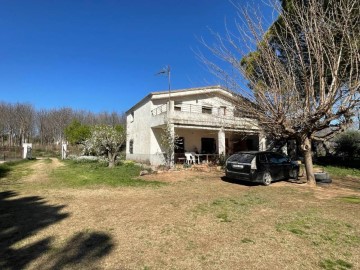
<point x="8" y="123"/>
<point x="24" y="117"/>
<point x="43" y="127"/>
<point x="111" y="119"/>
<point x="305" y="73"/>
<point x="3" y="126"/>
<point x="20" y="122"/>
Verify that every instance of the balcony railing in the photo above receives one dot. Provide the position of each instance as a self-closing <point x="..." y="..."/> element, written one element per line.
<point x="159" y="110"/>
<point x="203" y="109"/>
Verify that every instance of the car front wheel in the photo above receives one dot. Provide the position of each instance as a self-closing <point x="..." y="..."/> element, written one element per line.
<point x="267" y="179"/>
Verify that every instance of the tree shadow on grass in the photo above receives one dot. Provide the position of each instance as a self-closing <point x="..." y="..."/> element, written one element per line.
<point x="23" y="217"/>
<point x="20" y="218"/>
<point x="81" y="251"/>
<point x="4" y="170"/>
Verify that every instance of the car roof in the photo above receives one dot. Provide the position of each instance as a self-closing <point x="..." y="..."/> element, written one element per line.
<point x="256" y="152"/>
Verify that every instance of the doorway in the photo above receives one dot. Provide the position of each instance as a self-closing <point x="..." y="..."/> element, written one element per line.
<point x="208" y="146"/>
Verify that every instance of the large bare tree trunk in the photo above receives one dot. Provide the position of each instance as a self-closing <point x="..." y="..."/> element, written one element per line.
<point x="306" y="149"/>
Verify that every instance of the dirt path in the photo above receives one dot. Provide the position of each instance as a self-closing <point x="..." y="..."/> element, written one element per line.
<point x="41" y="170"/>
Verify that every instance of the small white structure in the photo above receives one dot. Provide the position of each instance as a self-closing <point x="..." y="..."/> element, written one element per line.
<point x="63" y="150"/>
<point x="27" y="150"/>
<point x="205" y="119"/>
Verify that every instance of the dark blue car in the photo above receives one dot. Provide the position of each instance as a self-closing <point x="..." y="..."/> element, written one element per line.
<point x="260" y="167"/>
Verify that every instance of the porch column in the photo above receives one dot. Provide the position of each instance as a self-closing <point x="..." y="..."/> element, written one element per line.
<point x="172" y="132"/>
<point x="170" y="105"/>
<point x="262" y="141"/>
<point x="221" y="141"/>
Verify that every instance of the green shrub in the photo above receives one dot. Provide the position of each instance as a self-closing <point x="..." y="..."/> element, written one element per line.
<point x="348" y="144"/>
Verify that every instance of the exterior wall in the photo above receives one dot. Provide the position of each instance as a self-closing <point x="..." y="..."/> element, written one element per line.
<point x="138" y="130"/>
<point x="156" y="151"/>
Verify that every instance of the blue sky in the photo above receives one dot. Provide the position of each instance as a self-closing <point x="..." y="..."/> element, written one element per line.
<point x="102" y="55"/>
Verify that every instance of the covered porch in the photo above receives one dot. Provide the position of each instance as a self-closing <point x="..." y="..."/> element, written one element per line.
<point x="209" y="143"/>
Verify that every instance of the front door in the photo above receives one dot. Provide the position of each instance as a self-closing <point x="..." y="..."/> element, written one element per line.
<point x="208" y="146"/>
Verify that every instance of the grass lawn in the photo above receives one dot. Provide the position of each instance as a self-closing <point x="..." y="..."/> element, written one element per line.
<point x="14" y="171"/>
<point x="63" y="215"/>
<point x="342" y="171"/>
<point x="90" y="174"/>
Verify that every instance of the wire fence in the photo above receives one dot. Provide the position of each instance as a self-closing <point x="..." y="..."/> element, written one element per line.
<point x="8" y="153"/>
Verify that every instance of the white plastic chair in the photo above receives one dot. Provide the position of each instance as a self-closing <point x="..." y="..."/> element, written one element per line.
<point x="189" y="158"/>
<point x="193" y="154"/>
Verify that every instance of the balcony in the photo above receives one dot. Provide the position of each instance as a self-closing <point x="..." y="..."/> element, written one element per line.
<point x="202" y="116"/>
<point x="201" y="109"/>
<point x="159" y="110"/>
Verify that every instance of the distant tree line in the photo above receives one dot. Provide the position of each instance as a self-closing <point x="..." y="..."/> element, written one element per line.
<point x="21" y="122"/>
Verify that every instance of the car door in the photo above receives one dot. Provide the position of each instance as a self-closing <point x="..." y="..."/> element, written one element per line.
<point x="274" y="166"/>
<point x="283" y="166"/>
<point x="286" y="166"/>
<point x="262" y="163"/>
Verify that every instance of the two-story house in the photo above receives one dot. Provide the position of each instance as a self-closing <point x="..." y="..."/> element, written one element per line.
<point x="205" y="120"/>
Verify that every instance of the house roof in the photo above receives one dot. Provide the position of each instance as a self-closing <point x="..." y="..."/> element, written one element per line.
<point x="185" y="92"/>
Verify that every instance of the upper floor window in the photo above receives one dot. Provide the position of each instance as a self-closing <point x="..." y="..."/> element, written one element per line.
<point x="222" y="110"/>
<point x="177" y="106"/>
<point x="206" y="110"/>
<point x="241" y="113"/>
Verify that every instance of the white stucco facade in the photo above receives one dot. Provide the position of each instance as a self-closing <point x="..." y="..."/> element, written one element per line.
<point x="204" y="118"/>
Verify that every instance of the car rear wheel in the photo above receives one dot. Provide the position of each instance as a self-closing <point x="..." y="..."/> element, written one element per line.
<point x="267" y="179"/>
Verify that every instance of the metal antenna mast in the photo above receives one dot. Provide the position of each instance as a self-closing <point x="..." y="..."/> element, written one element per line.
<point x="167" y="72"/>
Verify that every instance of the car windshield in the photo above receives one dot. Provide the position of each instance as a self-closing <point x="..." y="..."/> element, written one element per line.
<point x="242" y="158"/>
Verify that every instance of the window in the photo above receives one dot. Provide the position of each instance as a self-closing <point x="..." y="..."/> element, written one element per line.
<point x="262" y="158"/>
<point x="275" y="158"/>
<point x="238" y="113"/>
<point x="222" y="110"/>
<point x="241" y="113"/>
<point x="131" y="147"/>
<point x="206" y="110"/>
<point x="283" y="159"/>
<point x="242" y="158"/>
<point x="177" y="106"/>
<point x="132" y="116"/>
<point x="180" y="145"/>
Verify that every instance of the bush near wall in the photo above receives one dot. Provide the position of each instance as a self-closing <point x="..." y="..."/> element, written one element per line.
<point x="338" y="161"/>
<point x="347" y="144"/>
